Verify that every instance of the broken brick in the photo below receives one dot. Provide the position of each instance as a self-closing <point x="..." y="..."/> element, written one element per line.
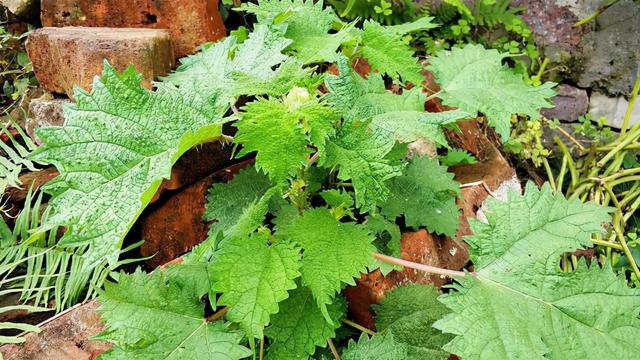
<point x="190" y="22"/>
<point x="173" y="226"/>
<point x="63" y="337"/>
<point x="64" y="57"/>
<point x="44" y="113"/>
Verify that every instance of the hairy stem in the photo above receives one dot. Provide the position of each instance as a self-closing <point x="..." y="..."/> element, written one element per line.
<point x="417" y="266"/>
<point x="359" y="327"/>
<point x="334" y="351"/>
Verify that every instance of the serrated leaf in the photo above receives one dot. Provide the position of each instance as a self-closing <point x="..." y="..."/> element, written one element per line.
<point x="379" y="347"/>
<point x="155" y="317"/>
<point x="474" y="79"/>
<point x="423" y="23"/>
<point x="387" y="242"/>
<point x="307" y="25"/>
<point x="409" y="313"/>
<point x="401" y="117"/>
<point x="279" y="134"/>
<point x="253" y="278"/>
<point x="333" y="252"/>
<point x="456" y="157"/>
<point x="521" y="300"/>
<point x="387" y="53"/>
<point x="426" y="196"/>
<point x="239" y="206"/>
<point x="118" y="143"/>
<point x="359" y="156"/>
<point x="231" y="70"/>
<point x="300" y="326"/>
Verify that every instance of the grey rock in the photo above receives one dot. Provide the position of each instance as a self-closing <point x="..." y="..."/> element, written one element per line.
<point x="613" y="109"/>
<point x="26" y="9"/>
<point x="570" y="103"/>
<point x="45" y="112"/>
<point x="610" y="56"/>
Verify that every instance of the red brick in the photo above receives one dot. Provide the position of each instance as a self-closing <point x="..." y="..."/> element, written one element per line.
<point x="64" y="57"/>
<point x="190" y="22"/>
<point x="174" y="225"/>
<point x="63" y="337"/>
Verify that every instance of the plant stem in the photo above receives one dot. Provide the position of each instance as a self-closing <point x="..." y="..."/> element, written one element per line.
<point x="571" y="138"/>
<point x="432" y="96"/>
<point x="359" y="327"/>
<point x="547" y="168"/>
<point x="218" y="315"/>
<point x="261" y="354"/>
<point x="623" y="242"/>
<point x="570" y="163"/>
<point x="417" y="266"/>
<point x="596" y="13"/>
<point x="607" y="244"/>
<point x="334" y="351"/>
<point x="632" y="101"/>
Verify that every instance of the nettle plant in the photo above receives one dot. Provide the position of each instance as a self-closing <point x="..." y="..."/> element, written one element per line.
<point x="322" y="204"/>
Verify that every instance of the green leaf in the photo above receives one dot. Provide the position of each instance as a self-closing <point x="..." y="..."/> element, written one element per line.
<point x="408" y="313"/>
<point x="423" y="23"/>
<point x="521" y="300"/>
<point x="387" y="53"/>
<point x="279" y="134"/>
<point x="333" y="252"/>
<point x="375" y="348"/>
<point x="426" y="196"/>
<point x="360" y="157"/>
<point x="387" y="241"/>
<point x="300" y="326"/>
<point x="118" y="143"/>
<point x="230" y="70"/>
<point x="239" y="206"/>
<point x="307" y="24"/>
<point x="456" y="157"/>
<point x="151" y="316"/>
<point x="401" y="117"/>
<point x="474" y="79"/>
<point x="253" y="278"/>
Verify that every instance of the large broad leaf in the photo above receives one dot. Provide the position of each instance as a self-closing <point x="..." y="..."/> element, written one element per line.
<point x="159" y="317"/>
<point x="520" y="306"/>
<point x="253" y="277"/>
<point x="408" y="313"/>
<point x="299" y="326"/>
<point x="474" y="79"/>
<point x="333" y="252"/>
<point x="116" y="146"/>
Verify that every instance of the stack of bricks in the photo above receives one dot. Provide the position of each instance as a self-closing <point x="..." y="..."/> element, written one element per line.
<point x="79" y="35"/>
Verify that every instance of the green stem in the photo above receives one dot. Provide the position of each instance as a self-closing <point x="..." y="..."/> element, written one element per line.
<point x="359" y="327"/>
<point x="570" y="163"/>
<point x="632" y="101"/>
<point x="607" y="244"/>
<point x="547" y="168"/>
<point x="623" y="242"/>
<point x="596" y="13"/>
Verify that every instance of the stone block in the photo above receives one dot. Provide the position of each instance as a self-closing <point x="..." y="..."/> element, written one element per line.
<point x="44" y="112"/>
<point x="190" y="22"/>
<point x="64" y="57"/>
<point x="569" y="104"/>
<point x="613" y="109"/>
